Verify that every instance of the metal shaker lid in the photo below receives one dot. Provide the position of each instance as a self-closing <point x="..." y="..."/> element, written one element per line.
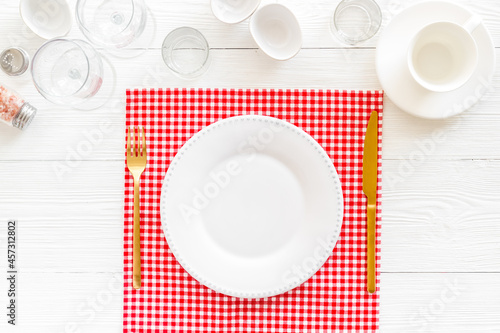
<point x="14" y="61"/>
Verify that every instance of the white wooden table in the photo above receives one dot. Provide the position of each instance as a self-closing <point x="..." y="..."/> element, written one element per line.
<point x="62" y="179"/>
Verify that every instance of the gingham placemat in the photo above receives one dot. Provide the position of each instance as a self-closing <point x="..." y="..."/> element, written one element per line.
<point x="334" y="299"/>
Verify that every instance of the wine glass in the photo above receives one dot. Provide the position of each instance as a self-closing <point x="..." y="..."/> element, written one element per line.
<point x="69" y="72"/>
<point x="116" y="24"/>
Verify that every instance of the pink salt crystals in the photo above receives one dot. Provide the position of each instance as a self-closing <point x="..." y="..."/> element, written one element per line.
<point x="14" y="111"/>
<point x="10" y="104"/>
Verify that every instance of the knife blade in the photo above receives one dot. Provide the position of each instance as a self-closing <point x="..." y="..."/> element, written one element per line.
<point x="370" y="174"/>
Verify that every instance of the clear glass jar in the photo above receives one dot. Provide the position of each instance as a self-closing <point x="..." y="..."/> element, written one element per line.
<point x="14" y="111"/>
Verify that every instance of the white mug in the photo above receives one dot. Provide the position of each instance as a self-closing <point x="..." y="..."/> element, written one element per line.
<point x="443" y="55"/>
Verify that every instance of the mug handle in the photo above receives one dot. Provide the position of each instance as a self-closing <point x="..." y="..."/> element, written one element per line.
<point x="472" y="23"/>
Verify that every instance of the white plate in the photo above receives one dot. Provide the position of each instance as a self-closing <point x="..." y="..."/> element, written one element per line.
<point x="395" y="76"/>
<point x="251" y="206"/>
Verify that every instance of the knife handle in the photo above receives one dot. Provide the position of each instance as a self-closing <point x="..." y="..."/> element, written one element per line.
<point x="371" y="210"/>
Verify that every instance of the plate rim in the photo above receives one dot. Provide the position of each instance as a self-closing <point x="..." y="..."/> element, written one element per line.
<point x="330" y="244"/>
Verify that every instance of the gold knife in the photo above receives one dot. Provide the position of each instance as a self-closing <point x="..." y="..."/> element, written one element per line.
<point x="370" y="174"/>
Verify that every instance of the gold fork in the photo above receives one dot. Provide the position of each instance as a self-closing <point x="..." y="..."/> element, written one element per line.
<point x="136" y="162"/>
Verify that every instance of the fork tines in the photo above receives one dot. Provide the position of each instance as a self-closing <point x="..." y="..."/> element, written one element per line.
<point x="136" y="146"/>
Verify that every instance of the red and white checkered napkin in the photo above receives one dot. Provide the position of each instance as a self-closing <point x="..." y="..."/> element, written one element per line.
<point x="334" y="299"/>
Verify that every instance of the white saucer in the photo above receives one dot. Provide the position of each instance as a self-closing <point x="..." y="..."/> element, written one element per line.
<point x="251" y="206"/>
<point x="395" y="76"/>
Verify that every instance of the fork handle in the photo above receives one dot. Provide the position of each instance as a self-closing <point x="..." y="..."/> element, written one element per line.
<point x="136" y="260"/>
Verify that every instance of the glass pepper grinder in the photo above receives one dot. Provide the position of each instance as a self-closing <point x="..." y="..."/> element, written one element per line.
<point x="14" y="111"/>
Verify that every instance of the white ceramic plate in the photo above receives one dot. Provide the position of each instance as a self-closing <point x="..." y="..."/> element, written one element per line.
<point x="251" y="206"/>
<point x="394" y="74"/>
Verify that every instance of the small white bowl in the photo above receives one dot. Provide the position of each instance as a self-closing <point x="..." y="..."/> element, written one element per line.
<point x="233" y="11"/>
<point x="277" y="32"/>
<point x="48" y="19"/>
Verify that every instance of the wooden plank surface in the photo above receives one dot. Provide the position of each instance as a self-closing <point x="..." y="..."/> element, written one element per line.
<point x="437" y="215"/>
<point x="439" y="302"/>
<point x="425" y="302"/>
<point x="63" y="177"/>
<point x="314" y="17"/>
<point x="310" y="69"/>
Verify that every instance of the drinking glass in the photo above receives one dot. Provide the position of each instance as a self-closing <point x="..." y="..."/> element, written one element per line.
<point x="186" y="52"/>
<point x="355" y="21"/>
<point x="116" y="24"/>
<point x="68" y="72"/>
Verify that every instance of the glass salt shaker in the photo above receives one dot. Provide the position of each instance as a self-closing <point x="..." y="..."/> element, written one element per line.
<point x="14" y="111"/>
<point x="14" y="61"/>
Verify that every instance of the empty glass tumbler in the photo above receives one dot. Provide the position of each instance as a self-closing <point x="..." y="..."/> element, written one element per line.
<point x="355" y="21"/>
<point x="186" y="52"/>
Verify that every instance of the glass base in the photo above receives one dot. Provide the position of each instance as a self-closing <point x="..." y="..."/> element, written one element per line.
<point x="140" y="45"/>
<point x="105" y="92"/>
